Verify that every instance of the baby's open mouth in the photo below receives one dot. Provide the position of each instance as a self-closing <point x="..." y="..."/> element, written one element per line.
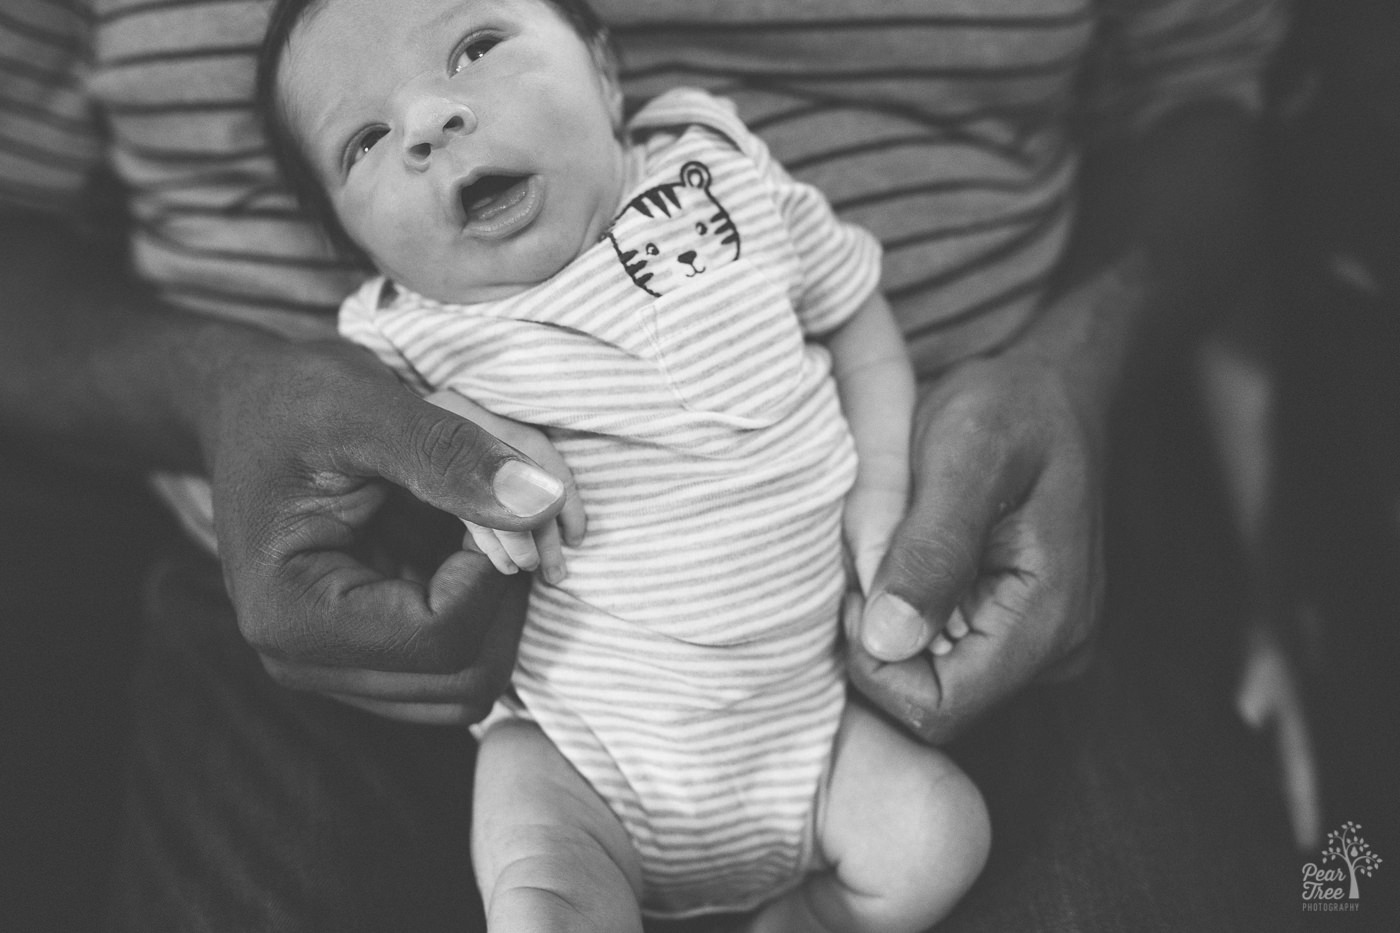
<point x="491" y="195"/>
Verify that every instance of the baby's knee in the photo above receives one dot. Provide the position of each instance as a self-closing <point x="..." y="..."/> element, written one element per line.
<point x="938" y="832"/>
<point x="957" y="829"/>
<point x="908" y="832"/>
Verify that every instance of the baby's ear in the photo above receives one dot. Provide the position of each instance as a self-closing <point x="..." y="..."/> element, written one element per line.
<point x="615" y="105"/>
<point x="605" y="59"/>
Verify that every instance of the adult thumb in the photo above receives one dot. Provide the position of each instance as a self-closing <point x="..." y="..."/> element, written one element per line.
<point x="932" y="564"/>
<point x="455" y="465"/>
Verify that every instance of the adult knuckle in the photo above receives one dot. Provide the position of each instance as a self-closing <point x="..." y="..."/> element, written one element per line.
<point x="977" y="421"/>
<point x="436" y="646"/>
<point x="923" y="558"/>
<point x="322" y="391"/>
<point x="443" y="446"/>
<point x="266" y="632"/>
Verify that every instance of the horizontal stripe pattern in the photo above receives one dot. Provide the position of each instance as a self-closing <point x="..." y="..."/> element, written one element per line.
<point x="213" y="228"/>
<point x="938" y="124"/>
<point x="687" y="665"/>
<point x="49" y="142"/>
<point x="946" y="127"/>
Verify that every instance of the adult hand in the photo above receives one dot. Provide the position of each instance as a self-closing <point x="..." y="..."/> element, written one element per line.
<point x="1005" y="525"/>
<point x="542" y="549"/>
<point x="322" y="465"/>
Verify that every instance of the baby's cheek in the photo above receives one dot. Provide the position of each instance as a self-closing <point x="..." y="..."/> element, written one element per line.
<point x="363" y="219"/>
<point x="390" y="235"/>
<point x="389" y="222"/>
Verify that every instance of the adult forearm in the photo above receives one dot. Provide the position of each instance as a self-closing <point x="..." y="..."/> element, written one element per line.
<point x="1167" y="235"/>
<point x="95" y="366"/>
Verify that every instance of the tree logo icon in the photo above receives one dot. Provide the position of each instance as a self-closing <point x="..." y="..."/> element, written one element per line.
<point x="1345" y="847"/>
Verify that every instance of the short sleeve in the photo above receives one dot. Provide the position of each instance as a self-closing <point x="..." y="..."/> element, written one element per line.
<point x="1153" y="56"/>
<point x="839" y="262"/>
<point x="51" y="143"/>
<point x="356" y="323"/>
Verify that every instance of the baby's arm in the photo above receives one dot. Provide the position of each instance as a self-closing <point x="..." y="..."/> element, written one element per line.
<point x="510" y="551"/>
<point x="876" y="384"/>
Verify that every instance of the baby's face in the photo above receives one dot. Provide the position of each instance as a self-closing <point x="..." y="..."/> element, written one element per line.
<point x="467" y="145"/>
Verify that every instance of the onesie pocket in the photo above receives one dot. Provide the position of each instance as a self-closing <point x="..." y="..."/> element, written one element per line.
<point x="730" y="345"/>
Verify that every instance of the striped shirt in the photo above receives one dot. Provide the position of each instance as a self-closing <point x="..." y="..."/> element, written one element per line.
<point x="687" y="665"/>
<point x="949" y="128"/>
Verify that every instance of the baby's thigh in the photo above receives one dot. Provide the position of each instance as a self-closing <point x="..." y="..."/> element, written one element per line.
<point x="537" y="825"/>
<point x="898" y="814"/>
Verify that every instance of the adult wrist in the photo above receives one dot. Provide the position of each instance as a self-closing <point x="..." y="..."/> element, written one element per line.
<point x="1089" y="331"/>
<point x="222" y="365"/>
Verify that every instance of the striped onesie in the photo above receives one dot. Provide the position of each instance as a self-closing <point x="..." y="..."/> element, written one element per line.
<point x="687" y="665"/>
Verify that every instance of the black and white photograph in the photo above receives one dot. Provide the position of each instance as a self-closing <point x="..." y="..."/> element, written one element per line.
<point x="700" y="466"/>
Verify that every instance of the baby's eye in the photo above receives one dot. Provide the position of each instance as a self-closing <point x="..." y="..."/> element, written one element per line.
<point x="701" y="229"/>
<point x="651" y="249"/>
<point x="474" y="49"/>
<point x="362" y="144"/>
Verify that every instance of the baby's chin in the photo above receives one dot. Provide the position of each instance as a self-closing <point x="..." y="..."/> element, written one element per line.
<point x="470" y="293"/>
<point x="468" y="289"/>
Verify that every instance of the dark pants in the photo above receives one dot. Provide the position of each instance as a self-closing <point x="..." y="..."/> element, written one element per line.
<point x="252" y="808"/>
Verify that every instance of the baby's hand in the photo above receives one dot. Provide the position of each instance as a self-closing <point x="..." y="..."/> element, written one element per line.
<point x="874" y="510"/>
<point x="511" y="551"/>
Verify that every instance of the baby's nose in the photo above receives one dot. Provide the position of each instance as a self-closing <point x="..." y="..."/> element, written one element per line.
<point x="430" y="123"/>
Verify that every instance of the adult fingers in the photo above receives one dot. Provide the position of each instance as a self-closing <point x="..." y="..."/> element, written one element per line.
<point x="449" y="462"/>
<point x="423" y="714"/>
<point x="306" y="452"/>
<point x="963" y="485"/>
<point x="325" y="607"/>
<point x="1029" y="616"/>
<point x="937" y="693"/>
<point x="470" y="689"/>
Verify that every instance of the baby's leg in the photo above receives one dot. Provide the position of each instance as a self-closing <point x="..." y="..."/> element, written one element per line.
<point x="548" y="854"/>
<point x="903" y="829"/>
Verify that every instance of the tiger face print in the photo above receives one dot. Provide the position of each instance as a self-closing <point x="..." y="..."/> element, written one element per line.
<point x="674" y="232"/>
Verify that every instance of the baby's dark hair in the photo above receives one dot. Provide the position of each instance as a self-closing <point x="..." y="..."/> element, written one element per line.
<point x="296" y="169"/>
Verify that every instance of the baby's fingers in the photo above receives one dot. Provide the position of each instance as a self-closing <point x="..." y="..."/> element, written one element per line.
<point x="571" y="520"/>
<point x="956" y="629"/>
<point x="489" y="544"/>
<point x="520" y="547"/>
<point x="551" y="552"/>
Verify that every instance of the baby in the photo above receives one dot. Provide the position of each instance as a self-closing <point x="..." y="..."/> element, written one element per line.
<point x="686" y="325"/>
